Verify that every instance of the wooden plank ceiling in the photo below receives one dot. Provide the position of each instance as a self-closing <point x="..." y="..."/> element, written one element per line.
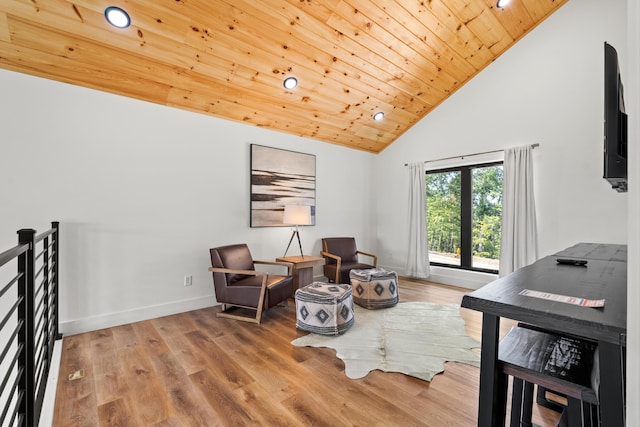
<point x="228" y="58"/>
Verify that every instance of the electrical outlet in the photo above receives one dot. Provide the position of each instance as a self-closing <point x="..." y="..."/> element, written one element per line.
<point x="188" y="280"/>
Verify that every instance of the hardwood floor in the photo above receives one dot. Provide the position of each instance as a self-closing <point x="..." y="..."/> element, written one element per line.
<point x="195" y="369"/>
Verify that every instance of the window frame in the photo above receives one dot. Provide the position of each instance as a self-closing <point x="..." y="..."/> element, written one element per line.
<point x="466" y="221"/>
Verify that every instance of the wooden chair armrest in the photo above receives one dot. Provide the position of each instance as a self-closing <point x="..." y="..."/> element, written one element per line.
<point x="329" y="255"/>
<point x="289" y="265"/>
<point x="232" y="271"/>
<point x="338" y="264"/>
<point x="375" y="257"/>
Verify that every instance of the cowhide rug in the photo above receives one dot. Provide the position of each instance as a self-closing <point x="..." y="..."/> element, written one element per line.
<point x="414" y="338"/>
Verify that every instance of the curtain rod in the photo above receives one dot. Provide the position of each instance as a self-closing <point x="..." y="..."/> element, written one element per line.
<point x="468" y="155"/>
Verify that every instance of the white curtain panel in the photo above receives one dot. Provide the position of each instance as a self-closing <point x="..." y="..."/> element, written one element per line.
<point x="418" y="254"/>
<point x="519" y="241"/>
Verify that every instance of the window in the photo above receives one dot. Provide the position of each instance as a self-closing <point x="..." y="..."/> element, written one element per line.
<point x="464" y="213"/>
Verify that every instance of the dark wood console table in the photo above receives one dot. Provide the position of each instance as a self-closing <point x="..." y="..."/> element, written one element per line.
<point x="603" y="277"/>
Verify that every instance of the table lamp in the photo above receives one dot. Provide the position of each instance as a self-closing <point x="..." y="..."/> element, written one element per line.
<point x="296" y="215"/>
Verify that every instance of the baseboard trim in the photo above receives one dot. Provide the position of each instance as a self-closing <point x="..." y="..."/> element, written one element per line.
<point x="463" y="279"/>
<point x="453" y="277"/>
<point x="94" y="323"/>
<point x="320" y="278"/>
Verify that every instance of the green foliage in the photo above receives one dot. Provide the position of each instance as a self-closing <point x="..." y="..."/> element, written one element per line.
<point x="443" y="211"/>
<point x="487" y="211"/>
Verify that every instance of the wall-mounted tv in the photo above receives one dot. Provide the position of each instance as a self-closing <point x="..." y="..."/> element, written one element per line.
<point x="615" y="123"/>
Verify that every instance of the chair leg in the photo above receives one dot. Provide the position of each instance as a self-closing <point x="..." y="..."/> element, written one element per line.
<point x="527" y="404"/>
<point x="594" y="415"/>
<point x="521" y="403"/>
<point x="263" y="293"/>
<point x="578" y="413"/>
<point x="517" y="389"/>
<point x="228" y="315"/>
<point x="259" y="309"/>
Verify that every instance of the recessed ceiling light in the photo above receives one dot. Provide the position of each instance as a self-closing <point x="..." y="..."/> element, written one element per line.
<point x="117" y="17"/>
<point x="378" y="116"/>
<point x="290" y="82"/>
<point x="503" y="3"/>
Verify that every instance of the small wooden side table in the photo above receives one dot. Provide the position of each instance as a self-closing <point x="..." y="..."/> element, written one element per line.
<point x="302" y="268"/>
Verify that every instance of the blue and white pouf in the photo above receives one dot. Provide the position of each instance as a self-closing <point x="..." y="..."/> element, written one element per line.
<point x="324" y="308"/>
<point x="374" y="287"/>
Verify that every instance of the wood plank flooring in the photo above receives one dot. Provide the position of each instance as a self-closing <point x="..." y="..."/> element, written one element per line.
<point x="195" y="369"/>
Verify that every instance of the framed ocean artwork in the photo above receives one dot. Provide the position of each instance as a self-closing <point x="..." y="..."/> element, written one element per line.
<point x="278" y="178"/>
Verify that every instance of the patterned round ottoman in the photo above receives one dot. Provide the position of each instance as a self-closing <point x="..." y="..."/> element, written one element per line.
<point x="374" y="288"/>
<point x="324" y="308"/>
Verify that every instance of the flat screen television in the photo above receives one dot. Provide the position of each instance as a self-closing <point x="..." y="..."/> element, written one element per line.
<point x="615" y="123"/>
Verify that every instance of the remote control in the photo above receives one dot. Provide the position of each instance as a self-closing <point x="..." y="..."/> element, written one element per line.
<point x="569" y="261"/>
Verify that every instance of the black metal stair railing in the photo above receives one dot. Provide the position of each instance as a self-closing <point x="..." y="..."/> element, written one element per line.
<point x="28" y="325"/>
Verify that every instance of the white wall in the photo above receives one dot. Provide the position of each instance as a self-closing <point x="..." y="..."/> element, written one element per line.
<point x="547" y="89"/>
<point x="139" y="207"/>
<point x="633" y="289"/>
<point x="143" y="191"/>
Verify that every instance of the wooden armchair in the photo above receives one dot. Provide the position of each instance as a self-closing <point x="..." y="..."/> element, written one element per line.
<point x="341" y="256"/>
<point x="238" y="285"/>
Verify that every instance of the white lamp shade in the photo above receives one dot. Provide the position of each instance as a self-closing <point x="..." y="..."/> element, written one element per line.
<point x="297" y="215"/>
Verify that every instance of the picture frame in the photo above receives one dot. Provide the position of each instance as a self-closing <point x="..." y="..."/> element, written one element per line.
<point x="280" y="177"/>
